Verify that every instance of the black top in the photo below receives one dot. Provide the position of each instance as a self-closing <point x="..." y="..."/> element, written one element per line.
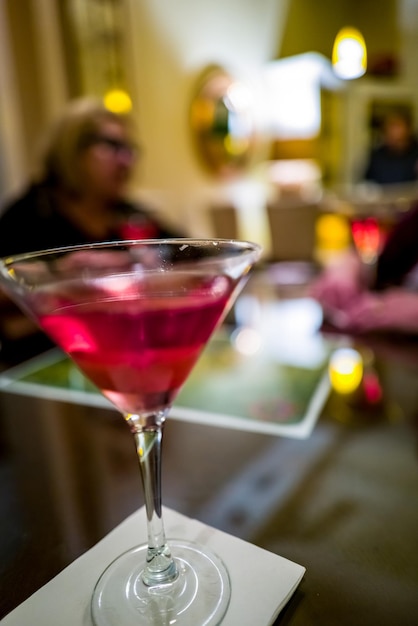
<point x="400" y="253"/>
<point x="387" y="167"/>
<point x="33" y="222"/>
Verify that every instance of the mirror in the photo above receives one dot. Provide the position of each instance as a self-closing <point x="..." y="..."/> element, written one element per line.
<point x="222" y="122"/>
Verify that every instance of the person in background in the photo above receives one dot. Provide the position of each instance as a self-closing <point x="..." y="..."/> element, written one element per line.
<point x="78" y="196"/>
<point x="358" y="299"/>
<point x="381" y="298"/>
<point x="395" y="159"/>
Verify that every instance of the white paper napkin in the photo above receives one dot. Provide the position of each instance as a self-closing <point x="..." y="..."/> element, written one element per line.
<point x="261" y="582"/>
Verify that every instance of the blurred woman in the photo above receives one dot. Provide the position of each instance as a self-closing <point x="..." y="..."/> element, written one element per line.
<point x="78" y="197"/>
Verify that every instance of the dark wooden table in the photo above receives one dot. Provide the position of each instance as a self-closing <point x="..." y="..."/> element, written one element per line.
<point x="343" y="502"/>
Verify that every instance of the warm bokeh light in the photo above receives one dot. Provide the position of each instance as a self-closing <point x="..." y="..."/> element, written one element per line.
<point x="118" y="101"/>
<point x="294" y="107"/>
<point x="345" y="370"/>
<point x="373" y="391"/>
<point x="332" y="232"/>
<point x="366" y="237"/>
<point x="349" y="54"/>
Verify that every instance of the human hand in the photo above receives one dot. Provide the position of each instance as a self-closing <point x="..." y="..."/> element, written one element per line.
<point x="338" y="287"/>
<point x="393" y="310"/>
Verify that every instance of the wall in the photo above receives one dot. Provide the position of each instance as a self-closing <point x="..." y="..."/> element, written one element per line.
<point x="33" y="84"/>
<point x="313" y="25"/>
<point x="169" y="44"/>
<point x="12" y="164"/>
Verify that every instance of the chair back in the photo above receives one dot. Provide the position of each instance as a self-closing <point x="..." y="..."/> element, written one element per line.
<point x="292" y="231"/>
<point x="224" y="221"/>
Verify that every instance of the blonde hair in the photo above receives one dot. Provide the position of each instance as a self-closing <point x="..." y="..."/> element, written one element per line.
<point x="72" y="132"/>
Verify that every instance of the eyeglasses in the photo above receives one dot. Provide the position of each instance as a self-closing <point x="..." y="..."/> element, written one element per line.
<point x="116" y="146"/>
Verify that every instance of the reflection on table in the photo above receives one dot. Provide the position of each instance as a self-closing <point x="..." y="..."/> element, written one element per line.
<point x="341" y="500"/>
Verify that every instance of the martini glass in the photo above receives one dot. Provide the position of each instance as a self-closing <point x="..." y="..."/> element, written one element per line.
<point x="134" y="317"/>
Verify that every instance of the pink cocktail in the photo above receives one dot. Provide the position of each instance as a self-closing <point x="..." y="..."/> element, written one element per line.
<point x="138" y="345"/>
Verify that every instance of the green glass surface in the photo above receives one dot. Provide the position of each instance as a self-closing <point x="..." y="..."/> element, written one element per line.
<point x="223" y="381"/>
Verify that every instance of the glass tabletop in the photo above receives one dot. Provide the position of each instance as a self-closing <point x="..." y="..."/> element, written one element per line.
<point x="265" y="370"/>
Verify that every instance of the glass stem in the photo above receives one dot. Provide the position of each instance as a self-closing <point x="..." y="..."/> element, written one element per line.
<point x="148" y="433"/>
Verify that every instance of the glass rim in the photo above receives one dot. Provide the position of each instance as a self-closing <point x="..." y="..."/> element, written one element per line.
<point x="248" y="246"/>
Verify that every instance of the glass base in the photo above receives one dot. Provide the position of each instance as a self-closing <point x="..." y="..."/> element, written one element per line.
<point x="199" y="596"/>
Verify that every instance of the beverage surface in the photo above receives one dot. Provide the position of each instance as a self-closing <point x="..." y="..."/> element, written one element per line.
<point x="135" y="340"/>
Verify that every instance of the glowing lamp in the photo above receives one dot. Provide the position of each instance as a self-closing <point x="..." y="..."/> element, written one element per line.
<point x="345" y="370"/>
<point x="118" y="101"/>
<point x="332" y="232"/>
<point x="349" y="54"/>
